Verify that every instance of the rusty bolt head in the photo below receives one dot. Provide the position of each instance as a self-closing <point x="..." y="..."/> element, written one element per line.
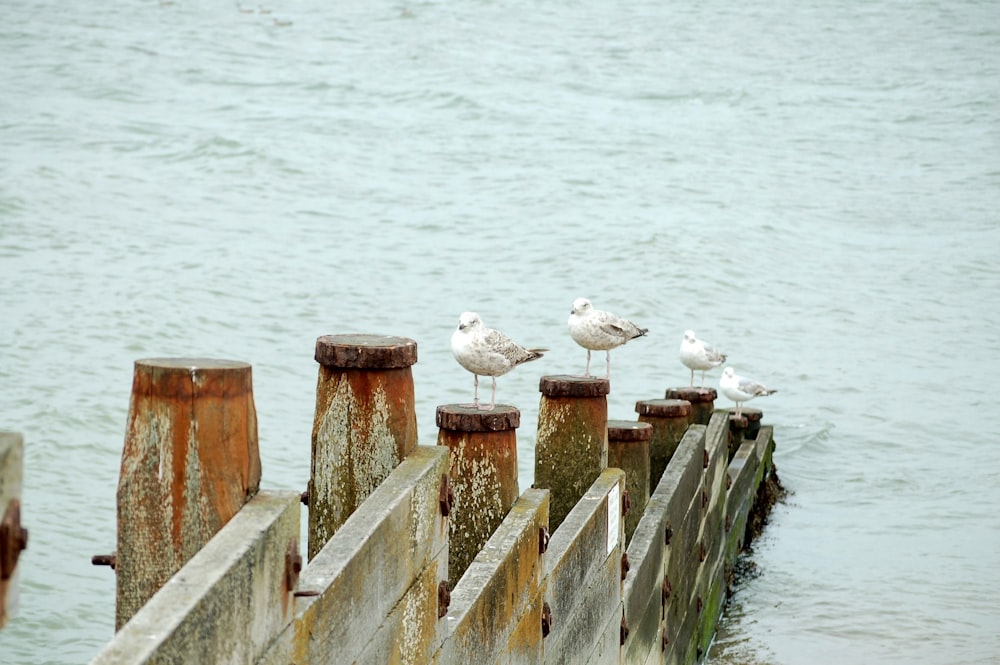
<point x="293" y="565"/>
<point x="668" y="533"/>
<point x="446" y="496"/>
<point x="304" y="498"/>
<point x="665" y="590"/>
<point x="704" y="498"/>
<point x="444" y="598"/>
<point x="626" y="503"/>
<point x="13" y="539"/>
<point x="625" y="566"/>
<point x="624" y="630"/>
<point x="546" y="620"/>
<point x="701" y="551"/>
<point x="704" y="459"/>
<point x="664" y="640"/>
<point x="543" y="540"/>
<point x="729" y="481"/>
<point x="104" y="560"/>
<point x="729" y="522"/>
<point x="699" y="605"/>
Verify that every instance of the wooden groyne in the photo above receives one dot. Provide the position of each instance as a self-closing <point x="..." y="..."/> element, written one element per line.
<point x="13" y="536"/>
<point x="438" y="560"/>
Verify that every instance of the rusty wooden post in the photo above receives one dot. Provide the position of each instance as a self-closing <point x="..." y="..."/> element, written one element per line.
<point x="572" y="445"/>
<point x="669" y="419"/>
<point x="628" y="450"/>
<point x="702" y="402"/>
<point x="13" y="537"/>
<point x="365" y="424"/>
<point x="753" y="417"/>
<point x="738" y="426"/>
<point x="483" y="477"/>
<point x="190" y="462"/>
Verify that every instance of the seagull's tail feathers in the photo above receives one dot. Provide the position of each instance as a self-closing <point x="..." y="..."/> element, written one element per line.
<point x="534" y="354"/>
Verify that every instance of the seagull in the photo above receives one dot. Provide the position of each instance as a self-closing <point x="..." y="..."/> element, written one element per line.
<point x="696" y="354"/>
<point x="596" y="330"/>
<point x="740" y="389"/>
<point x="487" y="352"/>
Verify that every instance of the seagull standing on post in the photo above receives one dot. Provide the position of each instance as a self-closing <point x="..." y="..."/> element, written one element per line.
<point x="487" y="352"/>
<point x="696" y="354"/>
<point x="596" y="330"/>
<point x="740" y="389"/>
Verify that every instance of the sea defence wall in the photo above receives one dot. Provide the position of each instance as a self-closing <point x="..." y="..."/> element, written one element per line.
<point x="429" y="557"/>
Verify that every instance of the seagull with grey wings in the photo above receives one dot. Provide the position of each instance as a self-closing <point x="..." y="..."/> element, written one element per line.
<point x="487" y="352"/>
<point x="597" y="330"/>
<point x="698" y="354"/>
<point x="741" y="389"/>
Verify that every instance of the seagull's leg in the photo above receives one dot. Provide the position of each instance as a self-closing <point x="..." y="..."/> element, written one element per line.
<point x="692" y="378"/>
<point x="475" y="394"/>
<point x="586" y="372"/>
<point x="493" y="397"/>
<point x="702" y="378"/>
<point x="607" y="375"/>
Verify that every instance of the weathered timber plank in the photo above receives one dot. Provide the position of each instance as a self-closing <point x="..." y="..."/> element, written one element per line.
<point x="645" y="629"/>
<point x="227" y="602"/>
<point x="607" y="651"/>
<point x="583" y="579"/>
<point x="498" y="587"/>
<point x="368" y="565"/>
<point x="526" y="644"/>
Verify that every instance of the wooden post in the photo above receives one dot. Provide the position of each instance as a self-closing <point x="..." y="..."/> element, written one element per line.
<point x="365" y="424"/>
<point x="738" y="427"/>
<point x="483" y="476"/>
<point x="669" y="419"/>
<point x="572" y="445"/>
<point x="189" y="463"/>
<point x="702" y="402"/>
<point x="628" y="450"/>
<point x="753" y="417"/>
<point x="13" y="538"/>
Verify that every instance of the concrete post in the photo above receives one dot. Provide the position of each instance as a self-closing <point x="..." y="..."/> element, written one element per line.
<point x="364" y="425"/>
<point x="669" y="419"/>
<point x="572" y="445"/>
<point x="13" y="537"/>
<point x="190" y="462"/>
<point x="628" y="450"/>
<point x="483" y="476"/>
<point x="702" y="402"/>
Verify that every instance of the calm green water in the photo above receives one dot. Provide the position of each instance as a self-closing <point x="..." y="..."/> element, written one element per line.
<point x="812" y="186"/>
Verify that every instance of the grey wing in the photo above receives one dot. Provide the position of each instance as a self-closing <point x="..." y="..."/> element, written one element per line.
<point x="751" y="387"/>
<point x="713" y="353"/>
<point x="502" y="345"/>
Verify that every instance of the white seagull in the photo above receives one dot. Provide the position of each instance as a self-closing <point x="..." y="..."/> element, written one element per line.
<point x="740" y="389"/>
<point x="697" y="354"/>
<point x="596" y="330"/>
<point x="487" y="352"/>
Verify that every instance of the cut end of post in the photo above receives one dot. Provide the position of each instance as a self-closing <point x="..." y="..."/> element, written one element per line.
<point x="461" y="418"/>
<point x="629" y="431"/>
<point x="358" y="351"/>
<point x="693" y="395"/>
<point x="565" y="385"/>
<point x="664" y="408"/>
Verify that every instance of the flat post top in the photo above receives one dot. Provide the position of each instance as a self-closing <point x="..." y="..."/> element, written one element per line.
<point x="564" y="385"/>
<point x="693" y="395"/>
<point x="664" y="408"/>
<point x="629" y="431"/>
<point x="459" y="418"/>
<point x="358" y="351"/>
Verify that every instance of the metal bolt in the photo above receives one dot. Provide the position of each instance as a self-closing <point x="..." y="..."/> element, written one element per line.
<point x="625" y="566"/>
<point x="446" y="496"/>
<point x="664" y="640"/>
<point x="668" y="533"/>
<point x="543" y="540"/>
<point x="729" y="522"/>
<point x="304" y="498"/>
<point x="624" y="630"/>
<point x="704" y="498"/>
<point x="444" y="597"/>
<point x="546" y="620"/>
<point x="293" y="564"/>
<point x="699" y="604"/>
<point x="701" y="551"/>
<point x="704" y="459"/>
<point x="104" y="560"/>
<point x="665" y="591"/>
<point x="626" y="503"/>
<point x="13" y="539"/>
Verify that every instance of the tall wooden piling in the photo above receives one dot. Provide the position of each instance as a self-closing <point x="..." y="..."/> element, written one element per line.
<point x="702" y="402"/>
<point x="628" y="450"/>
<point x="572" y="445"/>
<point x="365" y="424"/>
<point x="190" y="462"/>
<point x="669" y="419"/>
<point x="483" y="477"/>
